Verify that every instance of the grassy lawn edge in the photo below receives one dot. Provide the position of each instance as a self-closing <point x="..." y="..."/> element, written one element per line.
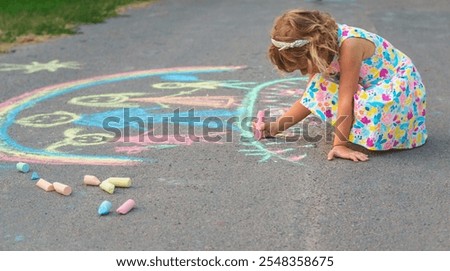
<point x="8" y="47"/>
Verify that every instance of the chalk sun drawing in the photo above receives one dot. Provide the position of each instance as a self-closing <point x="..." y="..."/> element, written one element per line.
<point x="72" y="133"/>
<point x="34" y="66"/>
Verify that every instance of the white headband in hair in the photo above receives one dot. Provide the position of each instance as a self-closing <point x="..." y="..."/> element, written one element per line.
<point x="281" y="45"/>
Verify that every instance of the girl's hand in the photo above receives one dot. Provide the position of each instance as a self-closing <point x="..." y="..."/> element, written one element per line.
<point x="265" y="129"/>
<point x="347" y="153"/>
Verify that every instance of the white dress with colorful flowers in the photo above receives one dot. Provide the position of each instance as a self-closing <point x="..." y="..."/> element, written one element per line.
<point x="389" y="106"/>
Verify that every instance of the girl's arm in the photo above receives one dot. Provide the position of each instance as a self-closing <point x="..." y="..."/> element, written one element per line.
<point x="351" y="56"/>
<point x="352" y="53"/>
<point x="295" y="114"/>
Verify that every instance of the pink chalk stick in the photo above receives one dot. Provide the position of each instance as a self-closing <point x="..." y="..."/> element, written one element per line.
<point x="126" y="207"/>
<point x="258" y="134"/>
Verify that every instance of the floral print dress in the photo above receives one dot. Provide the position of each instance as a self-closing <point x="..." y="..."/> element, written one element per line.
<point x="389" y="105"/>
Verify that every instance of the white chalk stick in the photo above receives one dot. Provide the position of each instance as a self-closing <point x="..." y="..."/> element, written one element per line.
<point x="62" y="188"/>
<point x="126" y="207"/>
<point x="23" y="167"/>
<point x="91" y="180"/>
<point x="107" y="186"/>
<point x="119" y="182"/>
<point x="46" y="186"/>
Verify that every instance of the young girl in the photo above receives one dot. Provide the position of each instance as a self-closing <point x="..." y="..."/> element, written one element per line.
<point x="369" y="90"/>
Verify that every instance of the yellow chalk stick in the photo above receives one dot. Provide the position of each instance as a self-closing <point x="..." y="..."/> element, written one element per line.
<point x="107" y="186"/>
<point x="45" y="185"/>
<point x="91" y="180"/>
<point x="119" y="182"/>
<point x="62" y="188"/>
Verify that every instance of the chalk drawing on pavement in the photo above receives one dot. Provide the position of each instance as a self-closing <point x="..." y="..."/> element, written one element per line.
<point x="76" y="137"/>
<point x="48" y="119"/>
<point x="276" y="96"/>
<point x="110" y="100"/>
<point x="142" y="103"/>
<point x="71" y="133"/>
<point x="34" y="66"/>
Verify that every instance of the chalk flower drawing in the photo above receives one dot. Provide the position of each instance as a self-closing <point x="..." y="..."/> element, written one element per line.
<point x="34" y="66"/>
<point x="48" y="119"/>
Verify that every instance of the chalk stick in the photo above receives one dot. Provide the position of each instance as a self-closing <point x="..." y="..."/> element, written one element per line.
<point x="126" y="207"/>
<point x="62" y="188"/>
<point x="107" y="186"/>
<point x="258" y="134"/>
<point x="46" y="186"/>
<point x="104" y="208"/>
<point x="35" y="176"/>
<point x="23" y="167"/>
<point x="119" y="182"/>
<point x="91" y="180"/>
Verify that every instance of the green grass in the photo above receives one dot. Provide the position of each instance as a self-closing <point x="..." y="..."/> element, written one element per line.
<point x="53" y="17"/>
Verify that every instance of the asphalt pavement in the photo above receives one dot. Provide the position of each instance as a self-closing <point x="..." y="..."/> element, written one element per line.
<point x="163" y="95"/>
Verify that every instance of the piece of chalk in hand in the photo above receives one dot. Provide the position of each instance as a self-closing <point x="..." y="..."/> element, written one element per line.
<point x="107" y="186"/>
<point x="62" y="188"/>
<point x="119" y="182"/>
<point x="126" y="207"/>
<point x="91" y="180"/>
<point x="23" y="167"/>
<point x="258" y="134"/>
<point x="46" y="186"/>
<point x="104" y="208"/>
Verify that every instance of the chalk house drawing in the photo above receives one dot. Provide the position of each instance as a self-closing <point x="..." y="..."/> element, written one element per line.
<point x="75" y="134"/>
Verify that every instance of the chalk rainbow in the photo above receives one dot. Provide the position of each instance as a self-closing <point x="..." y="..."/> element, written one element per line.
<point x="10" y="150"/>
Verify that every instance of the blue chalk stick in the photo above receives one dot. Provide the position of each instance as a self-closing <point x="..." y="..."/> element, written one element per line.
<point x="35" y="176"/>
<point x="104" y="208"/>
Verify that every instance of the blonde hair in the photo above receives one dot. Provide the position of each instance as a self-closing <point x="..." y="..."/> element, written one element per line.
<point x="318" y="27"/>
